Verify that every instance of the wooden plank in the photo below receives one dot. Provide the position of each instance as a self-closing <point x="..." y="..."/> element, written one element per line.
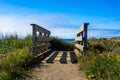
<point x="33" y="38"/>
<point x="79" y="38"/>
<point x="77" y="52"/>
<point x="82" y="36"/>
<point x="80" y="47"/>
<point x="45" y="60"/>
<point x="43" y="39"/>
<point x="42" y="46"/>
<point x="68" y="56"/>
<point x="52" y="58"/>
<point x="63" y="59"/>
<point x="59" y="56"/>
<point x="80" y="29"/>
<point x="40" y="29"/>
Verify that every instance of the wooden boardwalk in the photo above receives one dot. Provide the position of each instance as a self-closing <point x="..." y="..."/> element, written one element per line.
<point x="62" y="57"/>
<point x="55" y="65"/>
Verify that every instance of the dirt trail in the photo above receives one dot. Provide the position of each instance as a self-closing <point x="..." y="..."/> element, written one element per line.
<point x="56" y="71"/>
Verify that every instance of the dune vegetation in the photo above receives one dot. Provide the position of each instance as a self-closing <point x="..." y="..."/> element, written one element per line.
<point x="59" y="45"/>
<point x="15" y="56"/>
<point x="102" y="60"/>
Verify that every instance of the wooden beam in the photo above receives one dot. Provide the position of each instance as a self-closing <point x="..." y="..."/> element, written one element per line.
<point x="40" y="38"/>
<point x="79" y="38"/>
<point x="82" y="37"/>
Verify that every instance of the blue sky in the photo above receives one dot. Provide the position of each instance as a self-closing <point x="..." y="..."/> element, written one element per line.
<point x="61" y="17"/>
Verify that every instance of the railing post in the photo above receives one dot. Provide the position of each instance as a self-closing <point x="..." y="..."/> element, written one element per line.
<point x="82" y="37"/>
<point x="85" y="36"/>
<point x="33" y="38"/>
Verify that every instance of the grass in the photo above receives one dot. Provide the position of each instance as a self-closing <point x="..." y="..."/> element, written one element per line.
<point x="15" y="56"/>
<point x="13" y="65"/>
<point x="12" y="42"/>
<point x="102" y="60"/>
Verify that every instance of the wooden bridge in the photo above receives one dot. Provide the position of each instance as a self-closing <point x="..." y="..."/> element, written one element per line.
<point x="41" y="46"/>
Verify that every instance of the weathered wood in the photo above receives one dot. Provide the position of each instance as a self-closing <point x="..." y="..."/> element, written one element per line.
<point x="40" y="39"/>
<point x="40" y="29"/>
<point x="80" y="29"/>
<point x="43" y="39"/>
<point x="81" y="37"/>
<point x="80" y="47"/>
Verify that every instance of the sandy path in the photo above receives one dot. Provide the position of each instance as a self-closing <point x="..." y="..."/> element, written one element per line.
<point x="58" y="70"/>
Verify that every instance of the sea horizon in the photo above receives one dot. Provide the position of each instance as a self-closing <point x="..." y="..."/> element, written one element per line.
<point x="68" y="40"/>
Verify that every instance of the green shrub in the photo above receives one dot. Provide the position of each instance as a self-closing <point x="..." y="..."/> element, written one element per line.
<point x="59" y="45"/>
<point x="99" y="46"/>
<point x="4" y="75"/>
<point x="103" y="67"/>
<point x="12" y="42"/>
<point x="14" y="64"/>
<point x="102" y="60"/>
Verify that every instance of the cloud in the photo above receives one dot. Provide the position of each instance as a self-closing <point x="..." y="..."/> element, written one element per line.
<point x="60" y="25"/>
<point x="57" y="24"/>
<point x="18" y="24"/>
<point x="103" y="33"/>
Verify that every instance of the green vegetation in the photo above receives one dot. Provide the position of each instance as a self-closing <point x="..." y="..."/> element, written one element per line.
<point x="15" y="56"/>
<point x="59" y="45"/>
<point x="102" y="60"/>
<point x="12" y="42"/>
<point x="12" y="67"/>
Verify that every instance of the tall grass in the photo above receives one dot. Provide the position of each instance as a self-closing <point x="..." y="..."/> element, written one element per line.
<point x="102" y="60"/>
<point x="12" y="42"/>
<point x="13" y="65"/>
<point x="15" y="56"/>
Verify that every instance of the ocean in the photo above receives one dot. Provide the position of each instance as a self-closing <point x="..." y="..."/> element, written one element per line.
<point x="68" y="40"/>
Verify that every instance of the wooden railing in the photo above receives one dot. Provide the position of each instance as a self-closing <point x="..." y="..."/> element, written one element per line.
<point x="40" y="39"/>
<point x="81" y="37"/>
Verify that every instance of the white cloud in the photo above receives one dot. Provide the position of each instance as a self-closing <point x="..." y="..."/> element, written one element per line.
<point x="18" y="24"/>
<point x="61" y="25"/>
<point x="21" y="24"/>
<point x="103" y="33"/>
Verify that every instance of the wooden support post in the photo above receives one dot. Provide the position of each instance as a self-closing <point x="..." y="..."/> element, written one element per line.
<point x="81" y="37"/>
<point x="85" y="36"/>
<point x="33" y="38"/>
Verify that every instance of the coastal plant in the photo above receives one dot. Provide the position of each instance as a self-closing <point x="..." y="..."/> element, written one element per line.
<point x="12" y="42"/>
<point x="60" y="45"/>
<point x="102" y="67"/>
<point x="102" y="60"/>
<point x="12" y="67"/>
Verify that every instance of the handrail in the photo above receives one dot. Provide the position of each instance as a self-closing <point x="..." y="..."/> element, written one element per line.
<point x="81" y="37"/>
<point x="40" y="39"/>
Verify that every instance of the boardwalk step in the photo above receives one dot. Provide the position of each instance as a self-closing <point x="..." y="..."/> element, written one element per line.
<point x="61" y="57"/>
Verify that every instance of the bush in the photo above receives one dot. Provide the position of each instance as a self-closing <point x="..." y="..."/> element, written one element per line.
<point x="12" y="42"/>
<point x="99" y="46"/>
<point x="14" y="64"/>
<point x="102" y="67"/>
<point x="102" y="60"/>
<point x="59" y="45"/>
